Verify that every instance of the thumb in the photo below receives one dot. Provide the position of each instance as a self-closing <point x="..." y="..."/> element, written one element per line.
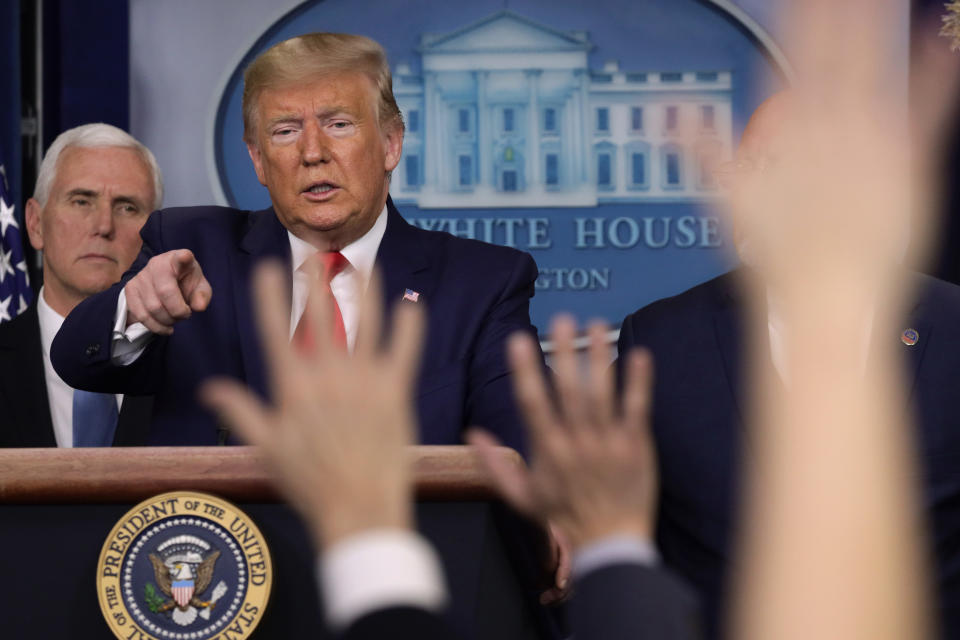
<point x="194" y="286"/>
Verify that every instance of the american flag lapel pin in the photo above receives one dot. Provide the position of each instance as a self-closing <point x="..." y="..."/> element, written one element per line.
<point x="411" y="295"/>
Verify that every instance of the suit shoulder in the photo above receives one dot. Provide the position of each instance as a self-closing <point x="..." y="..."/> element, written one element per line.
<point x="692" y="302"/>
<point x="193" y="227"/>
<point x="939" y="296"/>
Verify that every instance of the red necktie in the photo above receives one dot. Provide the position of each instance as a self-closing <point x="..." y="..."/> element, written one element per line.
<point x="327" y="264"/>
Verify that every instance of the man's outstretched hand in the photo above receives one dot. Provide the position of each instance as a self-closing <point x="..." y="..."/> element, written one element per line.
<point x="169" y="289"/>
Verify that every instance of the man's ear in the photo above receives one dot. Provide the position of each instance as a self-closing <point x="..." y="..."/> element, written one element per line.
<point x="254" y="152"/>
<point x="34" y="228"/>
<point x="393" y="144"/>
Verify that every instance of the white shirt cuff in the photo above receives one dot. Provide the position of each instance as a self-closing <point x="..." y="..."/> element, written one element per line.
<point x="377" y="570"/>
<point x="616" y="549"/>
<point x="128" y="343"/>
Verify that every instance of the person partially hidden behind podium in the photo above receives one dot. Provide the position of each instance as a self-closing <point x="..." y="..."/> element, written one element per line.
<point x="324" y="133"/>
<point x="96" y="187"/>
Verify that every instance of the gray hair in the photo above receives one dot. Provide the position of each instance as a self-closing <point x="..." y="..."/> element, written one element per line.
<point x="94" y="135"/>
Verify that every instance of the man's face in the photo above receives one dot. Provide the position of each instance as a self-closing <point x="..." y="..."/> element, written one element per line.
<point x="89" y="230"/>
<point x="322" y="154"/>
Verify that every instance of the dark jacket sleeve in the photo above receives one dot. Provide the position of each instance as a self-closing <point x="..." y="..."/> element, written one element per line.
<point x="632" y="602"/>
<point x="81" y="350"/>
<point x="490" y="397"/>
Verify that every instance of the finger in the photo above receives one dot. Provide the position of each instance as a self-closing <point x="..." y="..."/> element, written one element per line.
<point x="406" y="341"/>
<point x="182" y="262"/>
<point x="242" y="411"/>
<point x="600" y="384"/>
<point x="319" y="309"/>
<point x="637" y="389"/>
<point x="273" y="319"/>
<point x="166" y="296"/>
<point x="530" y="387"/>
<point x="138" y="311"/>
<point x="565" y="364"/>
<point x="564" y="559"/>
<point x="371" y="318"/>
<point x="200" y="294"/>
<point x="512" y="481"/>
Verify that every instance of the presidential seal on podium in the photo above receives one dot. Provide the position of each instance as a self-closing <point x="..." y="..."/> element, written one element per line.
<point x="184" y="565"/>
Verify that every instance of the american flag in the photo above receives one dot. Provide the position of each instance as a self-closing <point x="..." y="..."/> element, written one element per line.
<point x="411" y="295"/>
<point x="15" y="292"/>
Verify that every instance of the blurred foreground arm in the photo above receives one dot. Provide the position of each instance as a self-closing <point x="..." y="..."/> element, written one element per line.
<point x="833" y="539"/>
<point x="593" y="477"/>
<point x="335" y="439"/>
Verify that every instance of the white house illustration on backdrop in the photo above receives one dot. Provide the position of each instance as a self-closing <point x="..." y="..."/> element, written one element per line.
<point x="506" y="113"/>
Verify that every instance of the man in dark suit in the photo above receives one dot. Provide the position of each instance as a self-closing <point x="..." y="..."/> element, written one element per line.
<point x="323" y="132"/>
<point x="94" y="191"/>
<point x="700" y="400"/>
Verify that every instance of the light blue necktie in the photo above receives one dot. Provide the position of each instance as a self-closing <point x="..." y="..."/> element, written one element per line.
<point x="94" y="418"/>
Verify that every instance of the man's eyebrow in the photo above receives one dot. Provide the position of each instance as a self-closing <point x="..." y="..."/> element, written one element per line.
<point x="287" y="117"/>
<point x="334" y="111"/>
<point x="80" y="191"/>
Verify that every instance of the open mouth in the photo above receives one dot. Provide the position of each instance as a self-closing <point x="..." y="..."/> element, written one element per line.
<point x="320" y="190"/>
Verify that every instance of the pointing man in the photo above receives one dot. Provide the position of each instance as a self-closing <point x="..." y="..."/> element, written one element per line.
<point x="324" y="132"/>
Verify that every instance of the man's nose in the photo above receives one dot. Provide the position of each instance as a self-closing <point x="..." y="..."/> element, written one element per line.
<point x="103" y="223"/>
<point x="313" y="144"/>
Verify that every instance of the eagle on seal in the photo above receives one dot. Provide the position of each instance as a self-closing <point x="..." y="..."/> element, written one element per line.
<point x="181" y="586"/>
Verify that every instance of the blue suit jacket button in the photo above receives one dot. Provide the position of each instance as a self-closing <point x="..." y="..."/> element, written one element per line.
<point x="93" y="350"/>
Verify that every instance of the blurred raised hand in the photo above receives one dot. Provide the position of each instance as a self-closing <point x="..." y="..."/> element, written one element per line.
<point x="824" y="209"/>
<point x="592" y="469"/>
<point x="336" y="430"/>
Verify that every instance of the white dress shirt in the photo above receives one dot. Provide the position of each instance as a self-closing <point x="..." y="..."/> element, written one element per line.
<point x="59" y="393"/>
<point x="348" y="286"/>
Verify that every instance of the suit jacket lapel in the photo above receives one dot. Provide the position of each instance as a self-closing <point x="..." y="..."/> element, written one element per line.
<point x="404" y="261"/>
<point x="265" y="237"/>
<point x="25" y="376"/>
<point x="728" y="329"/>
<point x="919" y="322"/>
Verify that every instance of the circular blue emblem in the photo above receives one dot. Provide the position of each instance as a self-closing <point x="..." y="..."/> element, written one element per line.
<point x="554" y="127"/>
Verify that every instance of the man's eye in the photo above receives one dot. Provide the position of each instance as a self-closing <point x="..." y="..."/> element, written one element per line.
<point x="80" y="202"/>
<point x="129" y="208"/>
<point x="283" y="132"/>
<point x="341" y="125"/>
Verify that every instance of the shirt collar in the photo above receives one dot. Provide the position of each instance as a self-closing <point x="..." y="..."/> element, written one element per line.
<point x="50" y="322"/>
<point x="361" y="253"/>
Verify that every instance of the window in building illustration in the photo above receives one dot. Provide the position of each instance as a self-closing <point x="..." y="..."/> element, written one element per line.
<point x="672" y="76"/>
<point x="412" y="171"/>
<point x="672" y="118"/>
<point x="463" y="121"/>
<point x="466" y="171"/>
<point x="636" y="118"/>
<point x="509" y="180"/>
<point x="604" y="170"/>
<point x="708" y="117"/>
<point x="638" y="168"/>
<point x="550" y="119"/>
<point x="672" y="168"/>
<point x="508" y="119"/>
<point x="413" y="121"/>
<point x="603" y="119"/>
<point x="553" y="169"/>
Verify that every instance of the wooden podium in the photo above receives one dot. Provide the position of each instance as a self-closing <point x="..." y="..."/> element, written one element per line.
<point x="57" y="507"/>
